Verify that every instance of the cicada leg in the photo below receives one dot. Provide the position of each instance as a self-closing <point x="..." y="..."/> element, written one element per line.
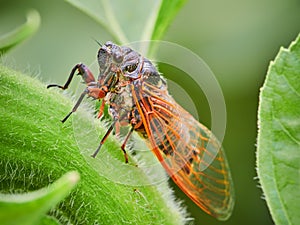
<point x="92" y="90"/>
<point x="83" y="70"/>
<point x="104" y="138"/>
<point x="101" y="109"/>
<point x="124" y="144"/>
<point x="76" y="105"/>
<point x="116" y="120"/>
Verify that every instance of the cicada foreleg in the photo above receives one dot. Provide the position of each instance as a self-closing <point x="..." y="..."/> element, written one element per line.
<point x="83" y="70"/>
<point x="92" y="89"/>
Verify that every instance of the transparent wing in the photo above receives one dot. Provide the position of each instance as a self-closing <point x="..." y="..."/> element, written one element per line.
<point x="188" y="151"/>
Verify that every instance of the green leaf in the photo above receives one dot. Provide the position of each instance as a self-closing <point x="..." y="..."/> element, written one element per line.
<point x="36" y="149"/>
<point x="278" y="153"/>
<point x="48" y="220"/>
<point x="131" y="20"/>
<point x="21" y="33"/>
<point x="167" y="12"/>
<point x="29" y="208"/>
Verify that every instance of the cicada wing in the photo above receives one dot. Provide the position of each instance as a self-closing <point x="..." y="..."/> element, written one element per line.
<point x="188" y="151"/>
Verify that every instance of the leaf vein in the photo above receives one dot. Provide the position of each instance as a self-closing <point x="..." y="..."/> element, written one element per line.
<point x="291" y="86"/>
<point x="286" y="131"/>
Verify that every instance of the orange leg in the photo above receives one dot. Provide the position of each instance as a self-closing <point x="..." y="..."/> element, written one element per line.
<point x="101" y="109"/>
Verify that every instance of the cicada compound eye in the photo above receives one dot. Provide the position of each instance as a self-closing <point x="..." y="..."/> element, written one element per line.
<point x="118" y="57"/>
<point x="131" y="68"/>
<point x="102" y="57"/>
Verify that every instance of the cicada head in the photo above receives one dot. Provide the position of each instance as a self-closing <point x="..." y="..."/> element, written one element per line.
<point x="110" y="57"/>
<point x="109" y="54"/>
<point x="114" y="59"/>
<point x="132" y="63"/>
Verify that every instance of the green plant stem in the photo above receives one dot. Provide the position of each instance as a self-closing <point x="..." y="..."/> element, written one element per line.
<point x="37" y="149"/>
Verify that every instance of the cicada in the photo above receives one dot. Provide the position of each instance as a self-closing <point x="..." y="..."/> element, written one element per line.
<point x="137" y="97"/>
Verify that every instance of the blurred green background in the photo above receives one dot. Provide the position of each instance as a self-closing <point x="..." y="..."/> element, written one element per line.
<point x="237" y="39"/>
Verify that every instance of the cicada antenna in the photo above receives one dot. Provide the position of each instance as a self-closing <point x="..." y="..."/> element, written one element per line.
<point x="97" y="42"/>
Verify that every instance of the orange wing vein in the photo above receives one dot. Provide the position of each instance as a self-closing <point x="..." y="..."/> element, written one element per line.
<point x="188" y="151"/>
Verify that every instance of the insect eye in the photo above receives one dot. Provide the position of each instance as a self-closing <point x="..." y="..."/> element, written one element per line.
<point x="118" y="57"/>
<point x="102" y="56"/>
<point x="131" y="68"/>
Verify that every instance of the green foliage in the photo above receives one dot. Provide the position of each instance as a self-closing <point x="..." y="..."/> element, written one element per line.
<point x="21" y="33"/>
<point x="166" y="13"/>
<point x="131" y="20"/>
<point x="230" y="45"/>
<point x="36" y="149"/>
<point x="31" y="207"/>
<point x="278" y="153"/>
